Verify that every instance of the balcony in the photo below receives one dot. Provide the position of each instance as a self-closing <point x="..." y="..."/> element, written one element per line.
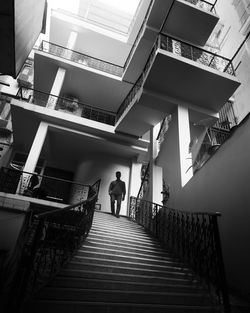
<point x="198" y="19"/>
<point x="80" y="58"/>
<point x="176" y="72"/>
<point x="67" y="105"/>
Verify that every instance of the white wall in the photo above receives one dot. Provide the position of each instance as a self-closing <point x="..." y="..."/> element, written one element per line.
<point x="104" y="166"/>
<point x="221" y="185"/>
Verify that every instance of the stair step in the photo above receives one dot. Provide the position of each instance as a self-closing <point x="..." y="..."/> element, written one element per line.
<point x="122" y="276"/>
<point x="124" y="237"/>
<point x="104" y="307"/>
<point x="120" y="251"/>
<point x="89" y="283"/>
<point x="129" y="258"/>
<point x="124" y="247"/>
<point x="128" y="270"/>
<point x="118" y="296"/>
<point x="128" y="263"/>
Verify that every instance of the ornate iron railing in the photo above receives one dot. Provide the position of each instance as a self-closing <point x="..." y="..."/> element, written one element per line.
<point x="44" y="187"/>
<point x="196" y="54"/>
<point x="202" y="4"/>
<point x="47" y="242"/>
<point x="192" y="236"/>
<point x="183" y="49"/>
<point x="80" y="58"/>
<point x="67" y="105"/>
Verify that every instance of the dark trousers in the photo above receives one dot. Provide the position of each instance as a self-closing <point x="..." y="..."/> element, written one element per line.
<point x="118" y="199"/>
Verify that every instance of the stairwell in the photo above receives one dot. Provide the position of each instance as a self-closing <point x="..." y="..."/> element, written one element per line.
<point x="121" y="268"/>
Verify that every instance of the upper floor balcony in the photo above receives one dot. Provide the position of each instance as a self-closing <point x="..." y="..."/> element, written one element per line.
<point x="177" y="73"/>
<point x="80" y="58"/>
<point x="188" y="20"/>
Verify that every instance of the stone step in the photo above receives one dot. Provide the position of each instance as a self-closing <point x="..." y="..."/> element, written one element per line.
<point x="127" y="263"/>
<point x="110" y="255"/>
<point x="123" y="241"/>
<point x="110" y="244"/>
<point x="95" y="274"/>
<point x="104" y="307"/>
<point x="92" y="266"/>
<point x="121" y="251"/>
<point x="118" y="296"/>
<point x="124" y="235"/>
<point x="90" y="283"/>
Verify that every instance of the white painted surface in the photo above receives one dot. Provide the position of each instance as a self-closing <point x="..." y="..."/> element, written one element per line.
<point x="184" y="141"/>
<point x="56" y="88"/>
<point x="103" y="166"/>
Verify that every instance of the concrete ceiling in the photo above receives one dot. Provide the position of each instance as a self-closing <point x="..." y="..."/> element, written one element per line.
<point x="66" y="142"/>
<point x="88" y="86"/>
<point x="190" y="82"/>
<point x="190" y="23"/>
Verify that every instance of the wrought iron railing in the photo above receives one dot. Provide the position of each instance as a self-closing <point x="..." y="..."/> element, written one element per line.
<point x="68" y="105"/>
<point x="204" y="147"/>
<point x="80" y="58"/>
<point x="196" y="54"/>
<point x="47" y="242"/>
<point x="183" y="49"/>
<point x="192" y="236"/>
<point x="43" y="187"/>
<point x="205" y="5"/>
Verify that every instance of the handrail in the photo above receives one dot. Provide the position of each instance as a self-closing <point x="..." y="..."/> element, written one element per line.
<point x="195" y="53"/>
<point x="68" y="207"/>
<point x="80" y="58"/>
<point x="199" y="3"/>
<point x="193" y="237"/>
<point x="87" y="111"/>
<point x="47" y="242"/>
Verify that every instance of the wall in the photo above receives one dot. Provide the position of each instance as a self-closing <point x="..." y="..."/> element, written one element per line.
<point x="221" y="185"/>
<point x="104" y="166"/>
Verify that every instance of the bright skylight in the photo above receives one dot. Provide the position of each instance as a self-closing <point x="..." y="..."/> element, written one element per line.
<point x="112" y="16"/>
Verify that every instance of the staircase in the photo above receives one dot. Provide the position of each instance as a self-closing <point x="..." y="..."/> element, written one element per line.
<point x="121" y="268"/>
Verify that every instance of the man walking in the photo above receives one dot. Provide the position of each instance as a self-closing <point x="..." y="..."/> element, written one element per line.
<point x="117" y="191"/>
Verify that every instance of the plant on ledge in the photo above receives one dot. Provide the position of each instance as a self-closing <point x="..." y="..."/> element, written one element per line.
<point x="69" y="104"/>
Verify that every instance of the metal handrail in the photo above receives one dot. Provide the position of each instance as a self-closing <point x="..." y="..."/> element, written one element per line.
<point x="47" y="242"/>
<point x="193" y="237"/>
<point x="80" y="58"/>
<point x="95" y="113"/>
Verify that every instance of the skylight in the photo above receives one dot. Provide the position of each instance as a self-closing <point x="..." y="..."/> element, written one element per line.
<point x="105" y="16"/>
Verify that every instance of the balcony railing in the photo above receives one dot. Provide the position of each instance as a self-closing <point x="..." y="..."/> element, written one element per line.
<point x="68" y="105"/>
<point x="183" y="49"/>
<point x="196" y="54"/>
<point x="81" y="58"/>
<point x="43" y="187"/>
<point x="202" y="4"/>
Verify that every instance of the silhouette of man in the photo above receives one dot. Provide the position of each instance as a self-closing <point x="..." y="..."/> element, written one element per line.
<point x="117" y="192"/>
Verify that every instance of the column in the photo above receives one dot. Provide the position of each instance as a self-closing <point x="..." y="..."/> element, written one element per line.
<point x="34" y="154"/>
<point x="71" y="44"/>
<point x="56" y="88"/>
<point x="184" y="141"/>
<point x="155" y="172"/>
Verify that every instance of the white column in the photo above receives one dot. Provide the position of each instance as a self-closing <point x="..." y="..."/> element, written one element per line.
<point x="71" y="44"/>
<point x="135" y="178"/>
<point x="56" y="88"/>
<point x="34" y="154"/>
<point x="155" y="172"/>
<point x="184" y="141"/>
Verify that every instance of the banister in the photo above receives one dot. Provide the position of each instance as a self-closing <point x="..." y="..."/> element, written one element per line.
<point x="193" y="237"/>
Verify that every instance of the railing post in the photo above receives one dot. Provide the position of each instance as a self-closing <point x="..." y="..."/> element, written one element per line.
<point x="223" y="283"/>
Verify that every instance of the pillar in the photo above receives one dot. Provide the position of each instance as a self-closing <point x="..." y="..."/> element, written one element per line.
<point x="155" y="172"/>
<point x="34" y="155"/>
<point x="184" y="141"/>
<point x="56" y="88"/>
